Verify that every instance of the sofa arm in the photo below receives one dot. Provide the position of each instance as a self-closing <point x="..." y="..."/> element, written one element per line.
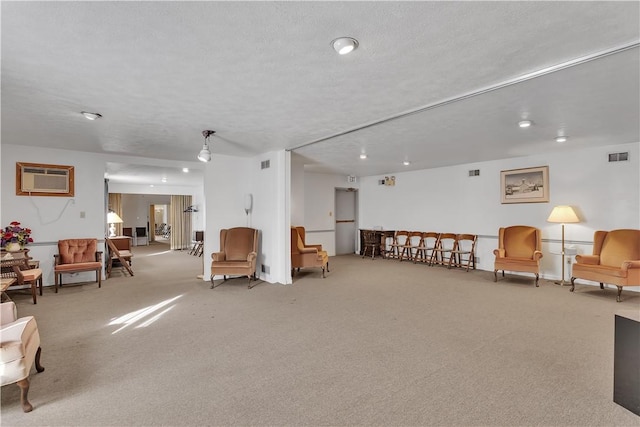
<point x="99" y="256"/>
<point x="628" y="265"/>
<point x="308" y="250"/>
<point x="537" y="255"/>
<point x="499" y="253"/>
<point x="318" y="247"/>
<point x="588" y="259"/>
<point x="218" y="256"/>
<point x="56" y="259"/>
<point x="251" y="257"/>
<point x="8" y="312"/>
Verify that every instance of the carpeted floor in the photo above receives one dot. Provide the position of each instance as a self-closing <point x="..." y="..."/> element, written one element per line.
<point x="375" y="343"/>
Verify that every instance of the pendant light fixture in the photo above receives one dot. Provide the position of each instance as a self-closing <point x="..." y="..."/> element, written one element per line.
<point x="205" y="153"/>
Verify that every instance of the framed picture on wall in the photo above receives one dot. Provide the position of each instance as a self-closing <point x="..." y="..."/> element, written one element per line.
<point x="529" y="185"/>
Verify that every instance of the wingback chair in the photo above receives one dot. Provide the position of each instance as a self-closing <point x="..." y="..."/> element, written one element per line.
<point x="19" y="349"/>
<point x="615" y="260"/>
<point x="519" y="249"/>
<point x="75" y="256"/>
<point x="304" y="255"/>
<point x="238" y="254"/>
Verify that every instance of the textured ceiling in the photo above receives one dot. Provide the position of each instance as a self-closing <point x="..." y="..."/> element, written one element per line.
<point x="263" y="75"/>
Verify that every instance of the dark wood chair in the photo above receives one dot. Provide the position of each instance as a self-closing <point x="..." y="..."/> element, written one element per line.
<point x="371" y="242"/>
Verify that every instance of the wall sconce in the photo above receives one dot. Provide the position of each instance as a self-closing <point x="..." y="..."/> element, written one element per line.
<point x="248" y="205"/>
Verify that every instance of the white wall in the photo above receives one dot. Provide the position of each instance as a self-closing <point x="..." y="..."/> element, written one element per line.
<point x="607" y="195"/>
<point x="55" y="218"/>
<point x="271" y="215"/>
<point x="297" y="189"/>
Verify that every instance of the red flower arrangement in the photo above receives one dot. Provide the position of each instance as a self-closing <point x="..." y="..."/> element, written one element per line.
<point x="15" y="233"/>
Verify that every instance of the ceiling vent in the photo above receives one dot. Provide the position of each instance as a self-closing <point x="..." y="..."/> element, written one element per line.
<point x="619" y="157"/>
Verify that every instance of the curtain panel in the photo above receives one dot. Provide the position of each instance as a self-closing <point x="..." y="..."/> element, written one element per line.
<point x="180" y="222"/>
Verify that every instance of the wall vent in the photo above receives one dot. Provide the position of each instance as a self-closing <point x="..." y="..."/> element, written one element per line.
<point x="265" y="164"/>
<point x="39" y="179"/>
<point x="619" y="157"/>
<point x="381" y="182"/>
<point x="474" y="172"/>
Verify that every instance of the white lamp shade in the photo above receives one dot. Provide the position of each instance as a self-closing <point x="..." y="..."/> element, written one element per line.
<point x="113" y="218"/>
<point x="563" y="214"/>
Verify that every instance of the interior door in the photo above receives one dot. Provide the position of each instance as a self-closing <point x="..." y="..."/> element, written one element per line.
<point x="345" y="221"/>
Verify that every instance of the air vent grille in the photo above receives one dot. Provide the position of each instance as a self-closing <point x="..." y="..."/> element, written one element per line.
<point x="265" y="164"/>
<point x="474" y="172"/>
<point x="619" y="157"/>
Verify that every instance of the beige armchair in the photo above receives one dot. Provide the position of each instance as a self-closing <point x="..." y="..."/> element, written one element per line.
<point x="75" y="256"/>
<point x="238" y="254"/>
<point x="519" y="249"/>
<point x="615" y="260"/>
<point x="303" y="255"/>
<point x="19" y="349"/>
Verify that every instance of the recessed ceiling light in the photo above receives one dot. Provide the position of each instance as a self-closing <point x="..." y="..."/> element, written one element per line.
<point x="561" y="138"/>
<point x="185" y="170"/>
<point x="406" y="163"/>
<point x="91" y="116"/>
<point x="363" y="156"/>
<point x="344" y="45"/>
<point x="525" y="123"/>
<point x="151" y="185"/>
<point x="164" y="179"/>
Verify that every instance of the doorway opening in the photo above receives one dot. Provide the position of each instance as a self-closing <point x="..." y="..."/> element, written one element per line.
<point x="346" y="222"/>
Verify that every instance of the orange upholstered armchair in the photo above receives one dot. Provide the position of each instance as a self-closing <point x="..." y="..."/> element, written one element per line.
<point x="519" y="249"/>
<point x="615" y="260"/>
<point x="75" y="256"/>
<point x="238" y="254"/>
<point x="303" y="255"/>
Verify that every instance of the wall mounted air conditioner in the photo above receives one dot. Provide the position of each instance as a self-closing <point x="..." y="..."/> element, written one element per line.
<point x="44" y="180"/>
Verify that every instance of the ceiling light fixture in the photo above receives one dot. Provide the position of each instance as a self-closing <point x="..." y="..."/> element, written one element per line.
<point x="344" y="45"/>
<point x="525" y="123"/>
<point x="406" y="163"/>
<point x="205" y="154"/>
<point x="363" y="156"/>
<point x="91" y="116"/>
<point x="561" y="138"/>
<point x="185" y="170"/>
<point x="164" y="179"/>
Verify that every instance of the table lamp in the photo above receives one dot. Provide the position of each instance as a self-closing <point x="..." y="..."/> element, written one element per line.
<point x="563" y="214"/>
<point x="113" y="219"/>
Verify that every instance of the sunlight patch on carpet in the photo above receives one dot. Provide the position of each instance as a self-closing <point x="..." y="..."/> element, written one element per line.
<point x="138" y="315"/>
